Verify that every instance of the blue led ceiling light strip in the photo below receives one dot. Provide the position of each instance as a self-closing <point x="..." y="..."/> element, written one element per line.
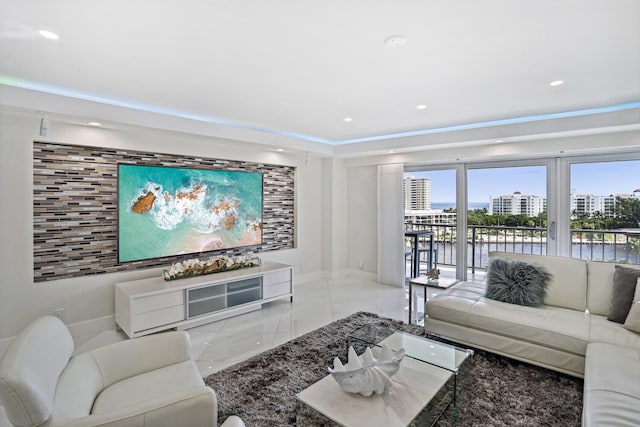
<point x="500" y="122"/>
<point x="54" y="90"/>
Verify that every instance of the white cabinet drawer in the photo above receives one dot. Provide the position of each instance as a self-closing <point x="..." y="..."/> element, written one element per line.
<point x="276" y="289"/>
<point x="157" y="302"/>
<point x="157" y="318"/>
<point x="276" y="277"/>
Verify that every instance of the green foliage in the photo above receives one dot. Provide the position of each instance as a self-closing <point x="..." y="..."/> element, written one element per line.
<point x="482" y="217"/>
<point x="627" y="212"/>
<point x="627" y="215"/>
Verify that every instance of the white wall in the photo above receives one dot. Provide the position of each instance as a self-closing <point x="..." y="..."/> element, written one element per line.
<point x="89" y="301"/>
<point x="334" y="218"/>
<point x="363" y="218"/>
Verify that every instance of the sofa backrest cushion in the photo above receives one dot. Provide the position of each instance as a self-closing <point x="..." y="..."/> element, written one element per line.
<point x="600" y="285"/>
<point x="568" y="285"/>
<point x="30" y="368"/>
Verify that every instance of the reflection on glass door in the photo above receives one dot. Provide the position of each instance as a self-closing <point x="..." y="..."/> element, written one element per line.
<point x="430" y="205"/>
<point x="506" y="212"/>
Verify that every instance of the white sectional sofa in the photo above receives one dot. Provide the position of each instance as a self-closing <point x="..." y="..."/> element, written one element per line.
<point x="570" y="333"/>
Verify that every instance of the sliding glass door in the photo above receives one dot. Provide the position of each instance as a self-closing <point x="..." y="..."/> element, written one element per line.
<point x="506" y="212"/>
<point x="477" y="208"/>
<point x="604" y="210"/>
<point x="431" y="205"/>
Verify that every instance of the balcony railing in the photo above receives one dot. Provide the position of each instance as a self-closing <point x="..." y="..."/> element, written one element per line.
<point x="595" y="245"/>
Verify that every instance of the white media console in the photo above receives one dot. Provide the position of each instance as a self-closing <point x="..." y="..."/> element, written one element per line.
<point x="150" y="305"/>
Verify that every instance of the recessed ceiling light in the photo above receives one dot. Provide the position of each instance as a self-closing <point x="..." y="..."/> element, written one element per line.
<point x="348" y="119"/>
<point x="49" y="35"/>
<point x="94" y="124"/>
<point x="499" y="140"/>
<point x="280" y="150"/>
<point x="421" y="107"/>
<point x="396" y="41"/>
<point x="391" y="151"/>
<point x="556" y="83"/>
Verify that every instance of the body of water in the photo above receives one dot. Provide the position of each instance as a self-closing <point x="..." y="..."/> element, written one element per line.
<point x="447" y="205"/>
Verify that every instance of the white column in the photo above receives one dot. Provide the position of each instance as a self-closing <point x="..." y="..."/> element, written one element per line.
<point x="391" y="264"/>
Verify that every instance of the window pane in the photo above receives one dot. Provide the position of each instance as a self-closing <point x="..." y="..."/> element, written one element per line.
<point x="507" y="212"/>
<point x="430" y="204"/>
<point x="605" y="211"/>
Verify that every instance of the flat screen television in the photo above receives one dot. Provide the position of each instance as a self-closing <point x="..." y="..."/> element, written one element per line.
<point x="169" y="211"/>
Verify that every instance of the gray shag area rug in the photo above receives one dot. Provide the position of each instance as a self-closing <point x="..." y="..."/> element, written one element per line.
<point x="505" y="392"/>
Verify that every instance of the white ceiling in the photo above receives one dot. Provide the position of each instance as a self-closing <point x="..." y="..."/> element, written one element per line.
<point x="292" y="70"/>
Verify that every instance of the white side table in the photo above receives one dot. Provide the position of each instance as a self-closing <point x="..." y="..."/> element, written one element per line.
<point x="442" y="283"/>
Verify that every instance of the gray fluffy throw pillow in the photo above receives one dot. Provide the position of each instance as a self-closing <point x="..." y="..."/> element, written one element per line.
<point x="517" y="282"/>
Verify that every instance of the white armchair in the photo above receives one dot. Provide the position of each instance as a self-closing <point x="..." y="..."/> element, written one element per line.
<point x="148" y="381"/>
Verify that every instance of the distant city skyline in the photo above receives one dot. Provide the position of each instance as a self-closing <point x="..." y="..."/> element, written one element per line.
<point x="586" y="178"/>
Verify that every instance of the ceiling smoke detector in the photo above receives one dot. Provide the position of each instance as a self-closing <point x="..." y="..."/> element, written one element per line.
<point x="396" y="41"/>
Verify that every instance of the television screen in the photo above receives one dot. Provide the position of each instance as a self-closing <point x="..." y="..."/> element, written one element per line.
<point x="166" y="211"/>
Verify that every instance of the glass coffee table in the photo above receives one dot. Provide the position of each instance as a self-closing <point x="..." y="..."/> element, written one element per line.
<point x="432" y="376"/>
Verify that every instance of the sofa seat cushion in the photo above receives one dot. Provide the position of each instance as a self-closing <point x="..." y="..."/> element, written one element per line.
<point x="464" y="304"/>
<point x="606" y="331"/>
<point x="148" y="387"/>
<point x="611" y="386"/>
<point x="453" y="305"/>
<point x="558" y="328"/>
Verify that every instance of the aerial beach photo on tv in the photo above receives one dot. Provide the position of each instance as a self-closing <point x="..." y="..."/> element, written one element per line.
<point x="166" y="211"/>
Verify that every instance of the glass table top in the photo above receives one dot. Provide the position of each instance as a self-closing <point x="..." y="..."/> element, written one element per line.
<point x="445" y="356"/>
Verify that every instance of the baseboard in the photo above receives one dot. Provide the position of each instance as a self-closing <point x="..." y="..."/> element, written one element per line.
<point x="4" y="344"/>
<point x="84" y="331"/>
<point x="299" y="279"/>
<point x="80" y="331"/>
<point x="364" y="275"/>
<point x="348" y="273"/>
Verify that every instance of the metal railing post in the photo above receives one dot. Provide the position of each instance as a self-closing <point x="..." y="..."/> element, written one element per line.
<point x="473" y="250"/>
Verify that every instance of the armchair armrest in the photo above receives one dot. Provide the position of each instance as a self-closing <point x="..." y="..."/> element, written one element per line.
<point x="233" y="421"/>
<point x="195" y="407"/>
<point x="136" y="356"/>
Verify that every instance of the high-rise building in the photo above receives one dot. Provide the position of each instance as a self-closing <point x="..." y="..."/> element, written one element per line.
<point x="581" y="204"/>
<point x="517" y="204"/>
<point x="417" y="193"/>
<point x="589" y="204"/>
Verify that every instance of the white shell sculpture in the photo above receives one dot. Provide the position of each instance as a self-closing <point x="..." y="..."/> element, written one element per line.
<point x="370" y="375"/>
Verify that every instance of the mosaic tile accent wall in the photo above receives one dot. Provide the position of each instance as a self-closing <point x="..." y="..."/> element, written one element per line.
<point x="75" y="207"/>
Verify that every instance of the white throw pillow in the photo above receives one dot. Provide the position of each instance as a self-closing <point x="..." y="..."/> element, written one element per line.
<point x="632" y="321"/>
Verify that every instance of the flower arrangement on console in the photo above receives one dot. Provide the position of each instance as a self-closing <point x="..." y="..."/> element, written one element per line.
<point x="195" y="267"/>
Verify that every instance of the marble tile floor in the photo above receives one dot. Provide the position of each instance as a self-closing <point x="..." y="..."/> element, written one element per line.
<point x="221" y="344"/>
<point x="315" y="304"/>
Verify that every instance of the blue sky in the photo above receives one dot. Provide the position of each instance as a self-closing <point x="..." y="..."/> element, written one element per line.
<point x="593" y="178"/>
